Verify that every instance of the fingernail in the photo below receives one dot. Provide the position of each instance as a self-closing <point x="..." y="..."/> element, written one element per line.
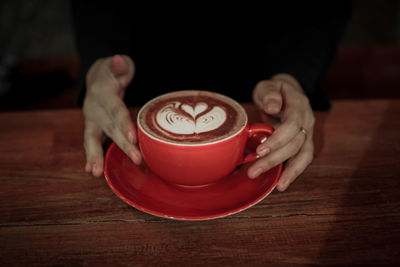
<point x="98" y="170"/>
<point x="130" y="137"/>
<point x="94" y="166"/>
<point x="283" y="183"/>
<point x="135" y="157"/>
<point x="256" y="173"/>
<point x="88" y="167"/>
<point x="282" y="187"/>
<point x="263" y="151"/>
<point x="272" y="107"/>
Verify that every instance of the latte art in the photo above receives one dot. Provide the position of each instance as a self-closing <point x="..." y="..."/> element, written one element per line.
<point x="191" y="117"/>
<point x="181" y="118"/>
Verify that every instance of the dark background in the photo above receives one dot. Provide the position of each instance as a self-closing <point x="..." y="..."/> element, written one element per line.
<point x="39" y="64"/>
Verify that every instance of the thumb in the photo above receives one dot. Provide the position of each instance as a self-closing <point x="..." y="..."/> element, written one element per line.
<point x="118" y="65"/>
<point x="272" y="102"/>
<point x="268" y="95"/>
<point x="123" y="69"/>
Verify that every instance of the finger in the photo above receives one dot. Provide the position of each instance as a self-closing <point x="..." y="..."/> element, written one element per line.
<point x="296" y="165"/>
<point x="273" y="159"/>
<point x="123" y="69"/>
<point x="88" y="167"/>
<point x="93" y="148"/>
<point x="115" y="133"/>
<point x="131" y="150"/>
<point x="267" y="96"/>
<point x="118" y="113"/>
<point x="284" y="134"/>
<point x="292" y="121"/>
<point x="121" y="117"/>
<point x="272" y="100"/>
<point x="118" y="65"/>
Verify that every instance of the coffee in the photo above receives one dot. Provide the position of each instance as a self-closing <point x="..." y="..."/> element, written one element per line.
<point x="192" y="117"/>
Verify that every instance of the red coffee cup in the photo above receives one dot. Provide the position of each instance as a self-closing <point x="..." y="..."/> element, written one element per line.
<point x="193" y="164"/>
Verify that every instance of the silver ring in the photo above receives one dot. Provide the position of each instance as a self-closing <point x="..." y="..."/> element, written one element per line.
<point x="303" y="131"/>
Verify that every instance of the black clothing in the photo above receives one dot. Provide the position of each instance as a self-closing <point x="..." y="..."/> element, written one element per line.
<point x="225" y="49"/>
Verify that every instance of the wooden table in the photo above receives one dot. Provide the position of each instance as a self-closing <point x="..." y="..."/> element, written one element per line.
<point x="344" y="209"/>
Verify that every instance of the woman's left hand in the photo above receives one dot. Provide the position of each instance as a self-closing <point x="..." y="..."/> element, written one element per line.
<point x="292" y="141"/>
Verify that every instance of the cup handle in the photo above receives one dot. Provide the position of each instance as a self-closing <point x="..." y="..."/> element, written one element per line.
<point x="254" y="129"/>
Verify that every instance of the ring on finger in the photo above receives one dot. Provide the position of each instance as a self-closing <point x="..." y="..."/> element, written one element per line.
<point x="303" y="131"/>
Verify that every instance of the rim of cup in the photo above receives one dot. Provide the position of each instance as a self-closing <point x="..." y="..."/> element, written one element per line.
<point x="230" y="100"/>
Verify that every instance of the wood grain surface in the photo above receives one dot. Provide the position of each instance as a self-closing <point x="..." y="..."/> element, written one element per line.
<point x="344" y="209"/>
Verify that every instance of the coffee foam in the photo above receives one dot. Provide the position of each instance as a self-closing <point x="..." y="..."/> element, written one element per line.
<point x="192" y="117"/>
<point x="178" y="118"/>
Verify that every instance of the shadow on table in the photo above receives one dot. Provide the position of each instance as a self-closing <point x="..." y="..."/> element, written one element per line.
<point x="368" y="228"/>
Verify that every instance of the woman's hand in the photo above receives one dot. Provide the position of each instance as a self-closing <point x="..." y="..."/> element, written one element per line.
<point x="106" y="113"/>
<point x="293" y="139"/>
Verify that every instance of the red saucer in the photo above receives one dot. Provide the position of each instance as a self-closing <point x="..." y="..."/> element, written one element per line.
<point x="142" y="189"/>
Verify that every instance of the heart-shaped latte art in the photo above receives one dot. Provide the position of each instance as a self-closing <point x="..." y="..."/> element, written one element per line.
<point x="180" y="118"/>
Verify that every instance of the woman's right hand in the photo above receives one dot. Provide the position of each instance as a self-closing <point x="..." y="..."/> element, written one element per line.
<point x="106" y="113"/>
